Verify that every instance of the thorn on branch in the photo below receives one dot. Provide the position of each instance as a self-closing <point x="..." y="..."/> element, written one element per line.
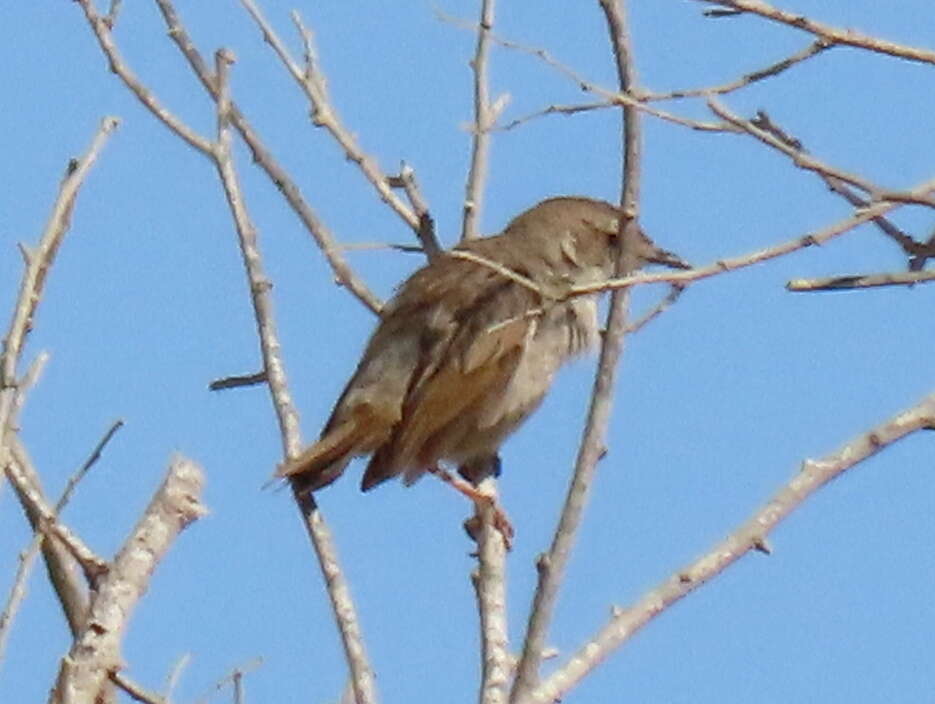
<point x="233" y="382"/>
<point x="761" y="544"/>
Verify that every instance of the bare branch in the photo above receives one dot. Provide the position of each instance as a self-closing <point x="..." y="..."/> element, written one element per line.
<point x="484" y="119"/>
<point x="342" y="604"/>
<point x="345" y="613"/>
<point x="233" y="382"/>
<point x="505" y="272"/>
<point x="610" y="97"/>
<point x="675" y="292"/>
<point x="490" y="588"/>
<point x="721" y="266"/>
<point x="28" y="556"/>
<point x="101" y="26"/>
<point x="46" y="521"/>
<point x="774" y="69"/>
<point x="749" y="536"/>
<point x="832" y="35"/>
<point x="840" y="283"/>
<point x="95" y="654"/>
<point x="803" y="160"/>
<point x="323" y="114"/>
<point x="136" y="692"/>
<point x="39" y="262"/>
<point x="344" y="275"/>
<point x="551" y="565"/>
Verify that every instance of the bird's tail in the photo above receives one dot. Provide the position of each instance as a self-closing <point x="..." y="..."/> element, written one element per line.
<point x="324" y="461"/>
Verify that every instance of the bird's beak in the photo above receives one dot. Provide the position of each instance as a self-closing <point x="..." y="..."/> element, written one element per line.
<point x="666" y="258"/>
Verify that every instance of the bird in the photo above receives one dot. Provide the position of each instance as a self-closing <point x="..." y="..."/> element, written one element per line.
<point x="469" y="345"/>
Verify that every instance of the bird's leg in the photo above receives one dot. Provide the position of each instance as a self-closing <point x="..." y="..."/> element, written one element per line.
<point x="472" y="525"/>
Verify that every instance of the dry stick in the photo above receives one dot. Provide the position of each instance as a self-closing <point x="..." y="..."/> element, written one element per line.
<point x="28" y="556"/>
<point x="554" y="109"/>
<point x="490" y="577"/>
<point x="43" y="514"/>
<point x="504" y="271"/>
<point x="832" y="35"/>
<point x="342" y="604"/>
<point x="551" y="566"/>
<point x="611" y="97"/>
<point x="62" y="568"/>
<point x="38" y="263"/>
<point x="751" y="535"/>
<point x="813" y="49"/>
<point x="747" y="79"/>
<point x="803" y="160"/>
<point x="908" y="244"/>
<point x="95" y="654"/>
<point x="721" y="266"/>
<point x="336" y="585"/>
<point x="102" y="30"/>
<point x="135" y="691"/>
<point x="323" y="114"/>
<point x="233" y="382"/>
<point x="489" y="581"/>
<point x="59" y="563"/>
<point x="484" y="119"/>
<point x="232" y="678"/>
<point x="344" y="275"/>
<point x="675" y="292"/>
<point x="840" y="283"/>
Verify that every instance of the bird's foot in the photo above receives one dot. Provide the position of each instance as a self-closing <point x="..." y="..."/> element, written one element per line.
<point x="481" y="499"/>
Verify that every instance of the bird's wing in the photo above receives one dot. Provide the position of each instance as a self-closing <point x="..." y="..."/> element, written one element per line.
<point x="467" y="362"/>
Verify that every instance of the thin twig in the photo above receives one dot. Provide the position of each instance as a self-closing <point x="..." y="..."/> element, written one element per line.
<point x="661" y="307"/>
<point x="47" y="522"/>
<point x="231" y="679"/>
<point x="342" y="604"/>
<point x="803" y="160"/>
<point x="555" y="110"/>
<point x="774" y="69"/>
<point x="503" y="271"/>
<point x="39" y="262"/>
<point x="233" y="382"/>
<point x="61" y="566"/>
<point x="101" y="28"/>
<point x="323" y="114"/>
<point x="490" y="588"/>
<point x="832" y="35"/>
<point x="840" y="283"/>
<point x="551" y="565"/>
<point x="751" y="535"/>
<point x="484" y="119"/>
<point x="819" y="237"/>
<point x="28" y="556"/>
<point x="610" y="97"/>
<point x="344" y="275"/>
<point x="846" y="191"/>
<point x="95" y="654"/>
<point x="175" y="674"/>
<point x="136" y="692"/>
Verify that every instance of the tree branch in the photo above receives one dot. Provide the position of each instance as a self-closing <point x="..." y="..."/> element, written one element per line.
<point x="840" y="283"/>
<point x="484" y="118"/>
<point x="552" y="565"/>
<point x="751" y="535"/>
<point x="832" y="35"/>
<point x="342" y="604"/>
<point x="95" y="654"/>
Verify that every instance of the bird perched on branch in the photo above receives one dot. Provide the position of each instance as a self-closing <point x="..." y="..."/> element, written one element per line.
<point x="469" y="345"/>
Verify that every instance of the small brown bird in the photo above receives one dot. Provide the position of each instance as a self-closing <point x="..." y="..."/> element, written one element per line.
<point x="468" y="347"/>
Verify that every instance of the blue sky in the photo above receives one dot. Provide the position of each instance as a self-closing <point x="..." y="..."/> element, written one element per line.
<point x="718" y="402"/>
